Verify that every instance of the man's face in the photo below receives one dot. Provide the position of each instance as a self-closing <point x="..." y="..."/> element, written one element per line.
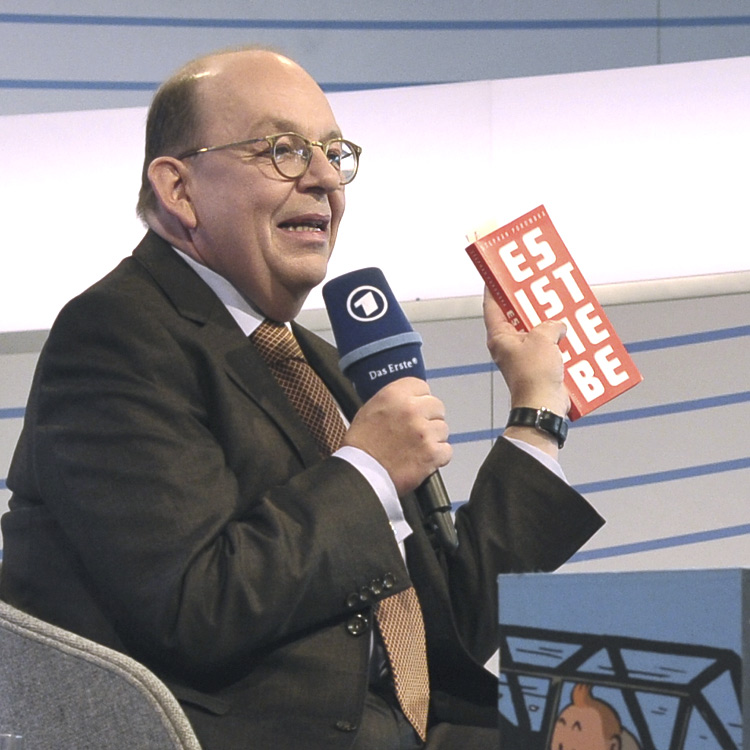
<point x="579" y="729"/>
<point x="271" y="237"/>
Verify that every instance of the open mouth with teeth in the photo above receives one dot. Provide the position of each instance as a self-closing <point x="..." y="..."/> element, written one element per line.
<point x="304" y="226"/>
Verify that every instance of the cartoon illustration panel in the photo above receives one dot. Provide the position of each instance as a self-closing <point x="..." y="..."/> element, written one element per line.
<point x="622" y="661"/>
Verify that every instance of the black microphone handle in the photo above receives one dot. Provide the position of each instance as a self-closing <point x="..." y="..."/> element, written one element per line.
<point x="436" y="509"/>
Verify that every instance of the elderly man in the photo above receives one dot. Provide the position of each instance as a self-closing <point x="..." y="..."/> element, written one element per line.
<point x="172" y="499"/>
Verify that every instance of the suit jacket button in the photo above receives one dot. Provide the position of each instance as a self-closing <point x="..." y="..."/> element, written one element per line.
<point x="376" y="587"/>
<point x="353" y="600"/>
<point x="389" y="581"/>
<point x="357" y="625"/>
<point x="346" y="726"/>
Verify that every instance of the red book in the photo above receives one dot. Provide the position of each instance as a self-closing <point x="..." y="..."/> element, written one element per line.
<point x="533" y="277"/>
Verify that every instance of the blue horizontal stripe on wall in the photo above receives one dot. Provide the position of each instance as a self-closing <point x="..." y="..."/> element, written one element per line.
<point x="659" y="477"/>
<point x="669" y="542"/>
<point x="626" y="415"/>
<point x="617" y="483"/>
<point x="372" y="25"/>
<point x="721" y="334"/>
<point x="13" y="413"/>
<point x="668" y="342"/>
<point x="678" y="407"/>
<point x="701" y="337"/>
<point x="459" y="370"/>
<point x="62" y="85"/>
<point x="681" y="540"/>
<point x="50" y="85"/>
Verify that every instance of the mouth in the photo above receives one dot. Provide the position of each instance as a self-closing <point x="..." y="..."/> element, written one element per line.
<point x="305" y="224"/>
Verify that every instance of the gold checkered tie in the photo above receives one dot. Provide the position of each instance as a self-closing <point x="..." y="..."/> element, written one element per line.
<point x="399" y="617"/>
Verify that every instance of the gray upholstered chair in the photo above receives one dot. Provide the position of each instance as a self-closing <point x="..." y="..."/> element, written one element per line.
<point x="62" y="691"/>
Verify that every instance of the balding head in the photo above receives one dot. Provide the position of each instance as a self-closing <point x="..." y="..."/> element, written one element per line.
<point x="212" y="186"/>
<point x="177" y="113"/>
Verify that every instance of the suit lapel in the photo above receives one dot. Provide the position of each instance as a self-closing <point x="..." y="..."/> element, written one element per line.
<point x="220" y="334"/>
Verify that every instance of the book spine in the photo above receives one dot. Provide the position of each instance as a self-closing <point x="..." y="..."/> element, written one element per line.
<point x="511" y="313"/>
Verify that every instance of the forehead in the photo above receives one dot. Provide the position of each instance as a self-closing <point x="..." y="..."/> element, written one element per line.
<point x="255" y="95"/>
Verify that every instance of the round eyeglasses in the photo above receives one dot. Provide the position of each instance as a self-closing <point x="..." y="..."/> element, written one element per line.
<point x="291" y="154"/>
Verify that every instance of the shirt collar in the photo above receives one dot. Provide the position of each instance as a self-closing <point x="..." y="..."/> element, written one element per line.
<point x="246" y="316"/>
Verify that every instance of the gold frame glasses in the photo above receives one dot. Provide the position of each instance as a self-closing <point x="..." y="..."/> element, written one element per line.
<point x="291" y="154"/>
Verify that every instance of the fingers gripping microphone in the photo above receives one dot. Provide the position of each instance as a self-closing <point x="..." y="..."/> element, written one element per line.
<point x="377" y="345"/>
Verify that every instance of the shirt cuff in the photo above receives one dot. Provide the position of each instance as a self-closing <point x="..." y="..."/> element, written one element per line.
<point x="541" y="456"/>
<point x="382" y="485"/>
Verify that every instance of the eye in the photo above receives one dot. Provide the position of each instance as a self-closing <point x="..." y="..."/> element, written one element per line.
<point x="334" y="157"/>
<point x="283" y="150"/>
<point x="337" y="154"/>
<point x="289" y="150"/>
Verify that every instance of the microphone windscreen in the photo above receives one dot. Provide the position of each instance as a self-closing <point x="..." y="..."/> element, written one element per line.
<point x="376" y="342"/>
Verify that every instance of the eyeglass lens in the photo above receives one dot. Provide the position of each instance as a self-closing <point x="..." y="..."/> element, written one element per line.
<point x="292" y="154"/>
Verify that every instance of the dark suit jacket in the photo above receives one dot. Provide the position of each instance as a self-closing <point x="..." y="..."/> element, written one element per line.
<point x="169" y="502"/>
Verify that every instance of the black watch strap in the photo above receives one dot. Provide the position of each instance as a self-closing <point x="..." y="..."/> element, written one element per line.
<point x="543" y="419"/>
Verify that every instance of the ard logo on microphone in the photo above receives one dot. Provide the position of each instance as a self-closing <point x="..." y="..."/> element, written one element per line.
<point x="367" y="303"/>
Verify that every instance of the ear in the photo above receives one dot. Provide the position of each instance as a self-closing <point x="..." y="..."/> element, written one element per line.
<point x="168" y="177"/>
<point x="615" y="743"/>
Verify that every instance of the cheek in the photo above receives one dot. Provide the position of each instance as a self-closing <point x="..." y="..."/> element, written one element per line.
<point x="337" y="209"/>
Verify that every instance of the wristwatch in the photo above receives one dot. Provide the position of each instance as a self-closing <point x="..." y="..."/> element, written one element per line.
<point x="543" y="419"/>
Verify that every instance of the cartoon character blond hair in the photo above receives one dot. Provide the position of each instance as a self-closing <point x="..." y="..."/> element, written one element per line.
<point x="587" y="723"/>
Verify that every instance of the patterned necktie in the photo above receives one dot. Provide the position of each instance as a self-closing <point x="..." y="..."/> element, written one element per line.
<point x="302" y="385"/>
<point x="399" y="617"/>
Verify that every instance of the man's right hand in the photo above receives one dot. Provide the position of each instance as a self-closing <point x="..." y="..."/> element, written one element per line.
<point x="403" y="428"/>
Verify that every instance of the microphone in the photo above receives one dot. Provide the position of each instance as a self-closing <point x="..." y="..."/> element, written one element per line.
<point x="377" y="345"/>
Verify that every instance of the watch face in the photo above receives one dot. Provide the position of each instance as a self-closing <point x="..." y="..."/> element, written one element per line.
<point x="555" y="425"/>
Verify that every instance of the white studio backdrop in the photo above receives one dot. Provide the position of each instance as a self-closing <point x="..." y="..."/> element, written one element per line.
<point x="642" y="170"/>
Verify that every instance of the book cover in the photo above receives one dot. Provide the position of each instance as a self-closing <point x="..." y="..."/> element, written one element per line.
<point x="533" y="277"/>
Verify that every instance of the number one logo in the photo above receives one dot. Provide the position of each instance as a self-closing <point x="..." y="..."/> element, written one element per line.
<point x="367" y="303"/>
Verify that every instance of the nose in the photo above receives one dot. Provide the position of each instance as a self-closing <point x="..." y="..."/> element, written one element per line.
<point x="320" y="174"/>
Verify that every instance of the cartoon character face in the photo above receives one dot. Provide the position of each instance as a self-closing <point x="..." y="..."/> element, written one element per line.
<point x="581" y="728"/>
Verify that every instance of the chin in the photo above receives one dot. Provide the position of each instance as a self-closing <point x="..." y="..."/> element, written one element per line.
<point x="314" y="271"/>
